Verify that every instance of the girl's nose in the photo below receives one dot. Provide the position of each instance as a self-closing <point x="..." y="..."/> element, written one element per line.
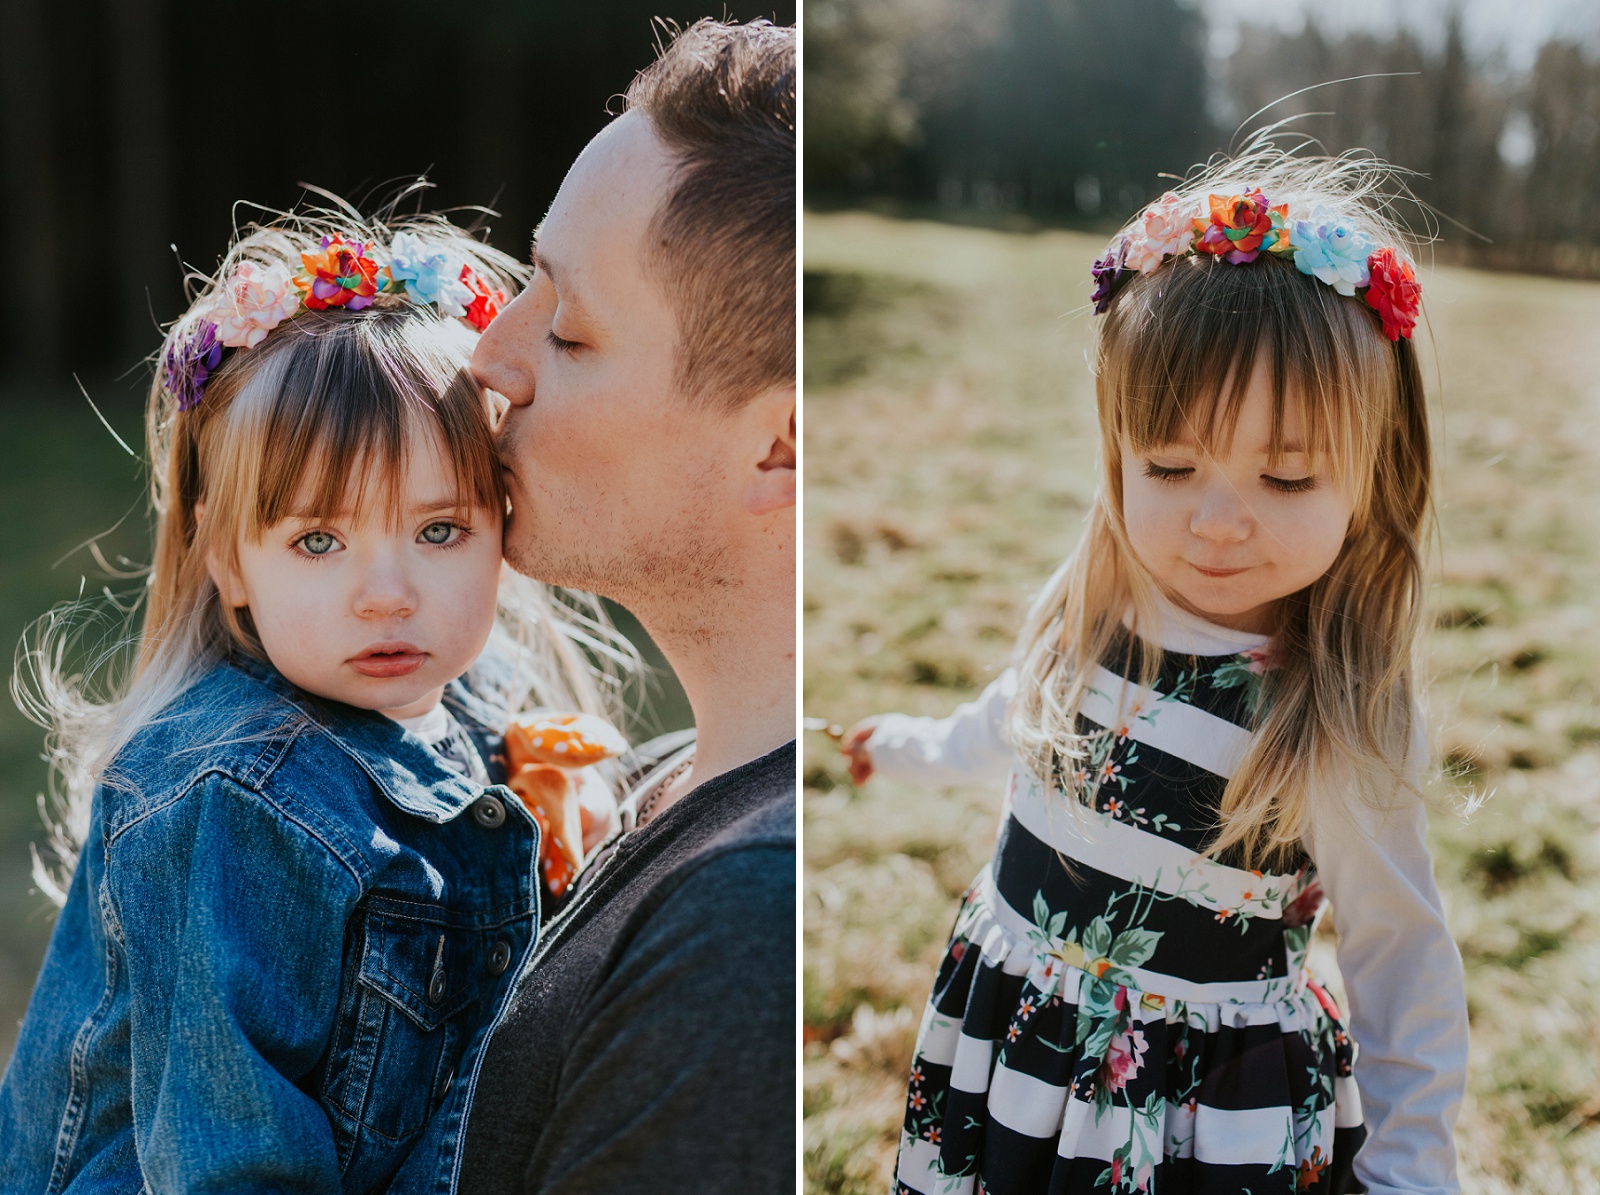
<point x="386" y="591"/>
<point x="1221" y="516"/>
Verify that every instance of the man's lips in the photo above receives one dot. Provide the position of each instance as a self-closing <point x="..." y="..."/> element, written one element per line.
<point x="388" y="659"/>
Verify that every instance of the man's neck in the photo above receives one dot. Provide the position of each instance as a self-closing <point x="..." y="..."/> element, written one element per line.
<point x="734" y="654"/>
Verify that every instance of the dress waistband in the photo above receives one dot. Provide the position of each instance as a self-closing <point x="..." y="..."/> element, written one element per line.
<point x="1021" y="947"/>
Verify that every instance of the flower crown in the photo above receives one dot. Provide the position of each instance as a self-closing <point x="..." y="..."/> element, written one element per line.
<point x="257" y="298"/>
<point x="1239" y="228"/>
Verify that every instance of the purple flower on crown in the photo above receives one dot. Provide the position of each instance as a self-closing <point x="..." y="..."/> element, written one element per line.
<point x="190" y="361"/>
<point x="1105" y="273"/>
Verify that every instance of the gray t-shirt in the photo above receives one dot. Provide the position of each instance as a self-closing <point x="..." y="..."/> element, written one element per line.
<point x="650" y="1045"/>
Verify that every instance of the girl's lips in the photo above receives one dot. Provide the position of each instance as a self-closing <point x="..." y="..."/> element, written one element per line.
<point x="382" y="662"/>
<point x="1217" y="572"/>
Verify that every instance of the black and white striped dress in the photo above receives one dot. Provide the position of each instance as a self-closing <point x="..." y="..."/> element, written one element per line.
<point x="1114" y="1012"/>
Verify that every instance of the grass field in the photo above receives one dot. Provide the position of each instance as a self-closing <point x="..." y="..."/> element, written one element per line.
<point x="949" y="459"/>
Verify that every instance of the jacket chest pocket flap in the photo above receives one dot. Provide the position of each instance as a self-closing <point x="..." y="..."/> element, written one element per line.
<point x="400" y="1038"/>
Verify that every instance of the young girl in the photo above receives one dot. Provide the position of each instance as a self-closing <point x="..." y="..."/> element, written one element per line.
<point x="296" y="896"/>
<point x="1211" y="730"/>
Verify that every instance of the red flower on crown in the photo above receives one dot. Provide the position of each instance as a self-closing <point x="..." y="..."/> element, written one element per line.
<point x="1240" y="226"/>
<point x="1394" y="293"/>
<point x="485" y="303"/>
<point x="338" y="275"/>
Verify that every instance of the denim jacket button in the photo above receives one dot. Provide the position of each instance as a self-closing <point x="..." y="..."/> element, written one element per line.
<point x="488" y="812"/>
<point x="500" y="957"/>
<point x="436" y="986"/>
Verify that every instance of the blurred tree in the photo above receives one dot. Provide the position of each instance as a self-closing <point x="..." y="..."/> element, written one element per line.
<point x="1072" y="108"/>
<point x="1563" y="183"/>
<point x="139" y="146"/>
<point x="1435" y="113"/>
<point x="31" y="338"/>
<point x="1062" y="113"/>
<point x="871" y="66"/>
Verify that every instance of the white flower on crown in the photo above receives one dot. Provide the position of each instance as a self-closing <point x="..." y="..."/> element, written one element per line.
<point x="255" y="300"/>
<point x="1167" y="228"/>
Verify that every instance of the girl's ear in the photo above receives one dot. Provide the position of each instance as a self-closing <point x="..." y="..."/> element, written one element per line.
<point x="225" y="576"/>
<point x="773" y="482"/>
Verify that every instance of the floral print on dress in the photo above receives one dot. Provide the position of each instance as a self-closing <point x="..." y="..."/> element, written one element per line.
<point x="1134" y="1068"/>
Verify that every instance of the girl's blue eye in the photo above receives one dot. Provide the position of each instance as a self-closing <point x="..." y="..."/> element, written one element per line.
<point x="317" y="543"/>
<point x="438" y="533"/>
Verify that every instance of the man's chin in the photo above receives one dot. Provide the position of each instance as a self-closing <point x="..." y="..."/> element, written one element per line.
<point x="551" y="563"/>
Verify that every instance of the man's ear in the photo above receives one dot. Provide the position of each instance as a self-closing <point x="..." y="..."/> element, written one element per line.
<point x="773" y="482"/>
<point x="225" y="576"/>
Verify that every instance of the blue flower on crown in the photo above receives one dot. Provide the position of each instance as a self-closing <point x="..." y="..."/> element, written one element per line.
<point x="431" y="274"/>
<point x="1332" y="251"/>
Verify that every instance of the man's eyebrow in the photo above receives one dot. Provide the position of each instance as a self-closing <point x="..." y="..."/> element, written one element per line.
<point x="541" y="262"/>
<point x="571" y="298"/>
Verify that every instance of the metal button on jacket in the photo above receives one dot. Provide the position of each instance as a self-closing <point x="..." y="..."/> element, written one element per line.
<point x="499" y="957"/>
<point x="488" y="812"/>
<point x="436" y="985"/>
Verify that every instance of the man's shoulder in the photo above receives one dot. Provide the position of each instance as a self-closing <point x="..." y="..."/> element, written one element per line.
<point x="763" y="795"/>
<point x="739" y="881"/>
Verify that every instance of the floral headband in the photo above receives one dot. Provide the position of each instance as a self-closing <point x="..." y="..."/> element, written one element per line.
<point x="1239" y="228"/>
<point x="258" y="298"/>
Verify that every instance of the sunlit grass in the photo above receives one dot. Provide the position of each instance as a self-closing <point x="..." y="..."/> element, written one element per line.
<point x="949" y="453"/>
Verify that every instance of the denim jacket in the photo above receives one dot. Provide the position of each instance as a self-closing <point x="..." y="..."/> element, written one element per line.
<point x="288" y="931"/>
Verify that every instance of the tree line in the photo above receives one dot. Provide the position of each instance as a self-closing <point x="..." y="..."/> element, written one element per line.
<point x="1071" y="110"/>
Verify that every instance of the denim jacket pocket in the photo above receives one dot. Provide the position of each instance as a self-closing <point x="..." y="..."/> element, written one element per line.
<point x="398" y="1042"/>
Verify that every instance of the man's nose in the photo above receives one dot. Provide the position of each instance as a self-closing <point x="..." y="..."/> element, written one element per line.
<point x="1222" y="515"/>
<point x="503" y="359"/>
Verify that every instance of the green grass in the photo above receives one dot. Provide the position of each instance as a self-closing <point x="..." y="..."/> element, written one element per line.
<point x="949" y="460"/>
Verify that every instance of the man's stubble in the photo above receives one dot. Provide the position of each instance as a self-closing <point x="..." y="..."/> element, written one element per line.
<point x="674" y="575"/>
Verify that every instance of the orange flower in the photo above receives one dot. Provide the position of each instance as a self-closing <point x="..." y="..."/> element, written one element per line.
<point x="1311" y="1170"/>
<point x="338" y="275"/>
<point x="1240" y="226"/>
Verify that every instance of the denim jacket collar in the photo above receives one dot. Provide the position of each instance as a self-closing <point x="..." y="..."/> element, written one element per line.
<point x="403" y="767"/>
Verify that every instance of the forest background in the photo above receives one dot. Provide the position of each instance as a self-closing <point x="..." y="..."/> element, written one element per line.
<point x="965" y="163"/>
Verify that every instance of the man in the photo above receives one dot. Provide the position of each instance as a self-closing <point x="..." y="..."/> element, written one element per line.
<point x="650" y="457"/>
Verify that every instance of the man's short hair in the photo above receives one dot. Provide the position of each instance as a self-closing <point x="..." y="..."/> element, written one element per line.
<point x="722" y="98"/>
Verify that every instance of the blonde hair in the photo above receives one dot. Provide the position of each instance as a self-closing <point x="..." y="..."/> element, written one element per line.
<point x="325" y="410"/>
<point x="1174" y="356"/>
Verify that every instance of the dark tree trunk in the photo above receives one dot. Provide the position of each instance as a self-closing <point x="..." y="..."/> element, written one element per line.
<point x="146" y="290"/>
<point x="31" y="310"/>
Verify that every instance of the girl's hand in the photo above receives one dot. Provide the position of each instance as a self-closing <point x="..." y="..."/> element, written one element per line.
<point x="854" y="748"/>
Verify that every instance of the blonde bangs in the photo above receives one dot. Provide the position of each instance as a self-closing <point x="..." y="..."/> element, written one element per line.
<point x="327" y="420"/>
<point x="1180" y="347"/>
